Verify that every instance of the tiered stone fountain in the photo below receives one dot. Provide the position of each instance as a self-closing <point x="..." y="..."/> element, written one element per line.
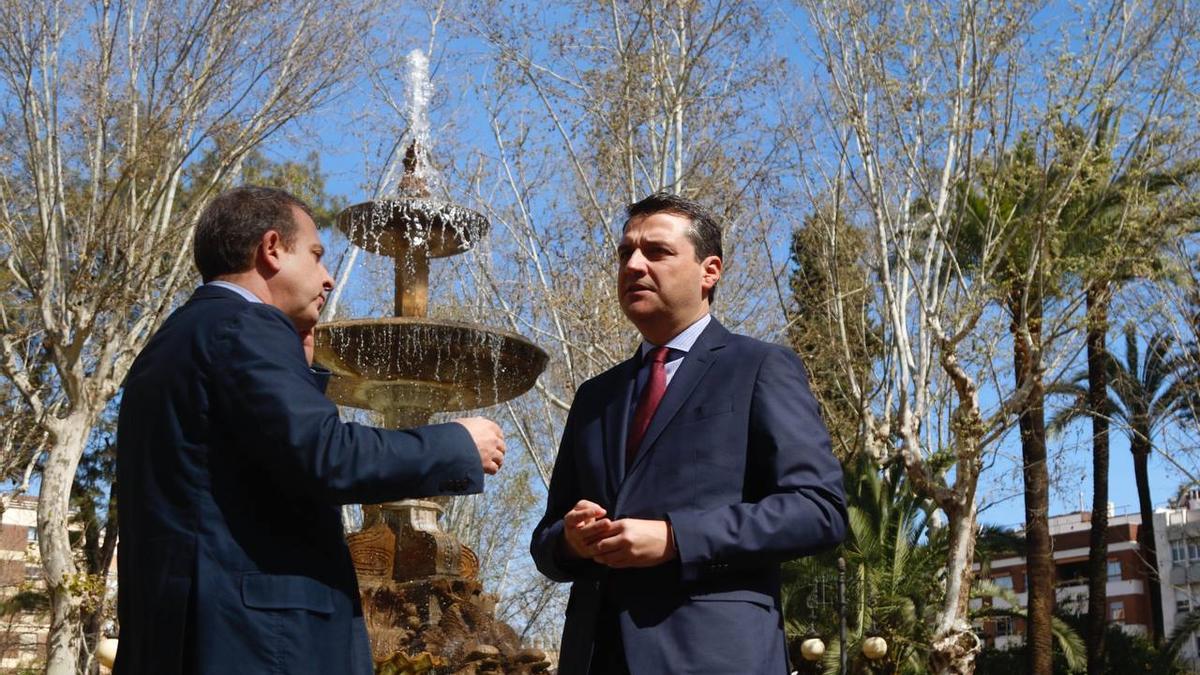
<point x="424" y="606"/>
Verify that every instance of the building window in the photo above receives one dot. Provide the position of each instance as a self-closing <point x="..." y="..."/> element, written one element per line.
<point x="31" y="535"/>
<point x="1114" y="570"/>
<point x="1193" y="546"/>
<point x="33" y="572"/>
<point x="1178" y="551"/>
<point x="1004" y="626"/>
<point x="1116" y="611"/>
<point x="1004" y="582"/>
<point x="1183" y="604"/>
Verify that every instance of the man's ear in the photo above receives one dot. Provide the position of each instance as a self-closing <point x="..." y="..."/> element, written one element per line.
<point x="710" y="269"/>
<point x="270" y="250"/>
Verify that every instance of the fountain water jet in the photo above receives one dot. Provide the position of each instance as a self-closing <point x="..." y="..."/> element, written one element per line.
<point x="424" y="606"/>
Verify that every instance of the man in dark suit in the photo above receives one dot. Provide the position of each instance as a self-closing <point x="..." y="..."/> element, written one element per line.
<point x="685" y="475"/>
<point x="232" y="465"/>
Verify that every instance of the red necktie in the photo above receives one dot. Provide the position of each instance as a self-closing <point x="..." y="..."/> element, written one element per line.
<point x="648" y="402"/>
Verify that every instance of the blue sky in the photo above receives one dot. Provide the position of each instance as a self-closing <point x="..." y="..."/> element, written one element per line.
<point x="458" y="63"/>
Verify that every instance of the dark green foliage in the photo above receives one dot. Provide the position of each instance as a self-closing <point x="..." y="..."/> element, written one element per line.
<point x="303" y="179"/>
<point x="1185" y="630"/>
<point x="1146" y="390"/>
<point x="894" y="554"/>
<point x="892" y="583"/>
<point x="830" y="325"/>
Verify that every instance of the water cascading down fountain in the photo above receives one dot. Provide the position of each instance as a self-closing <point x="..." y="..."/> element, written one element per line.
<point x="424" y="606"/>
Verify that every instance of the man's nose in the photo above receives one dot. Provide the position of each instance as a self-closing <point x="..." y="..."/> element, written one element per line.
<point x="636" y="261"/>
<point x="327" y="282"/>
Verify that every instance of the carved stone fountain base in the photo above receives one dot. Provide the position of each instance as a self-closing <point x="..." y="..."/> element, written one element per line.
<point x="424" y="607"/>
<point x="450" y="617"/>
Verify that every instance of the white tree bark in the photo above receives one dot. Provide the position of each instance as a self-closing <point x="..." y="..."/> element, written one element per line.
<point x="916" y="97"/>
<point x="109" y="154"/>
<point x="58" y="561"/>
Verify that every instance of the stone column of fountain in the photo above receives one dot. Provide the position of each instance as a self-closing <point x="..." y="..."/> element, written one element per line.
<point x="424" y="606"/>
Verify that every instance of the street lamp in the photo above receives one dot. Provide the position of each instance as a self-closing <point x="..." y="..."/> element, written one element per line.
<point x="875" y="648"/>
<point x="812" y="649"/>
<point x="841" y="605"/>
<point x="106" y="652"/>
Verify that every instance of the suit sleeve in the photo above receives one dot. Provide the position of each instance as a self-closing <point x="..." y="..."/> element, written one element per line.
<point x="285" y="422"/>
<point x="547" y="545"/>
<point x="789" y="463"/>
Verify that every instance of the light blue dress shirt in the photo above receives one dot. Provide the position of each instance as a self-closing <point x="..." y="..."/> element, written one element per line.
<point x="240" y="290"/>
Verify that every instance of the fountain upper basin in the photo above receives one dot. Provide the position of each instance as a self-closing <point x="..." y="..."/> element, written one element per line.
<point x="391" y="226"/>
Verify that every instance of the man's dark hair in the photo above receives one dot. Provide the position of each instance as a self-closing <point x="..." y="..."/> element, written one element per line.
<point x="704" y="233"/>
<point x="233" y="224"/>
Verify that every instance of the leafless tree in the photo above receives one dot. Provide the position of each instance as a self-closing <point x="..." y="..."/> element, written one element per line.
<point x="108" y="109"/>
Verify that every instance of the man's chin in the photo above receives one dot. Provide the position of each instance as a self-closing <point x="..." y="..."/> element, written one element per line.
<point x="640" y="313"/>
<point x="305" y="322"/>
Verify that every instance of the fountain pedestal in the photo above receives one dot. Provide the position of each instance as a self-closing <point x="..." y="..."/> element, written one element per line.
<point x="424" y="606"/>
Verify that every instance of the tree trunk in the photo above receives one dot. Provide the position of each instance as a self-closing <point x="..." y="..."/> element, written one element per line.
<point x="955" y="643"/>
<point x="1098" y="295"/>
<point x="1039" y="637"/>
<point x="1141" y="460"/>
<point x="70" y="435"/>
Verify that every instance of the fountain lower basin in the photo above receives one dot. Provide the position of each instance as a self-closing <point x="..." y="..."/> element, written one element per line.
<point x="424" y="364"/>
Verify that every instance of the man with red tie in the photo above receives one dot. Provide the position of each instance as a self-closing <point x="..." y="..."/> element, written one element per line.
<point x="685" y="475"/>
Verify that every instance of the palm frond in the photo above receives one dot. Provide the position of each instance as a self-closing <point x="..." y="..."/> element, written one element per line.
<point x="1132" y="351"/>
<point x="1075" y="409"/>
<point x="1069" y="642"/>
<point x="1184" y="629"/>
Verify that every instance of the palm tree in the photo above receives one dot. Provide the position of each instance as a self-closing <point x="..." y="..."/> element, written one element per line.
<point x="1122" y="219"/>
<point x="1089" y="215"/>
<point x="1145" y="392"/>
<point x="1027" y="198"/>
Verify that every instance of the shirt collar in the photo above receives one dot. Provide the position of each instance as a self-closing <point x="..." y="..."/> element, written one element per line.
<point x="240" y="290"/>
<point x="684" y="341"/>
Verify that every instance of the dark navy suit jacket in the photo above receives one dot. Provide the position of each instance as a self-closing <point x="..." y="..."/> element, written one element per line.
<point x="738" y="460"/>
<point x="231" y="467"/>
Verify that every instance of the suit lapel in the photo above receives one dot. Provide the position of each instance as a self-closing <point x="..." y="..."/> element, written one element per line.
<point x="616" y="424"/>
<point x="690" y="372"/>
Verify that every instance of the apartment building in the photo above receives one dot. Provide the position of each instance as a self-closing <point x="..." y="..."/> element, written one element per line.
<point x="22" y="631"/>
<point x="1177" y="542"/>
<point x="1127" y="587"/>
